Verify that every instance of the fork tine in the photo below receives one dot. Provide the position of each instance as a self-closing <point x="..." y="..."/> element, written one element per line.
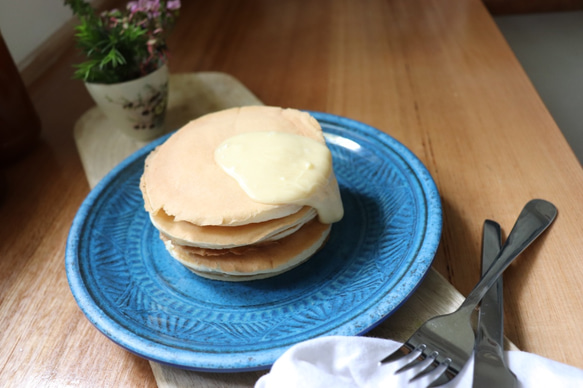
<point x="439" y="370"/>
<point x="403" y="351"/>
<point x="445" y="377"/>
<point x="396" y="355"/>
<point x="414" y="363"/>
<point x="429" y="369"/>
<point x="418" y="358"/>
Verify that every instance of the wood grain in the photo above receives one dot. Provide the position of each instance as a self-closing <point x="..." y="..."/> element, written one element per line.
<point x="436" y="75"/>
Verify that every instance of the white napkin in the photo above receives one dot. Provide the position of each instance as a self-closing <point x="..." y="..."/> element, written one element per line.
<point x="338" y="362"/>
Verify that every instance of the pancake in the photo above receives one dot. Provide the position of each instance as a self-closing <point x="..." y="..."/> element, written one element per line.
<point x="182" y="178"/>
<point x="205" y="218"/>
<point x="257" y="261"/>
<point x="221" y="237"/>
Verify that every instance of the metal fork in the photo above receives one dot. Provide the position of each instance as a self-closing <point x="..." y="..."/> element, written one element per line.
<point x="447" y="341"/>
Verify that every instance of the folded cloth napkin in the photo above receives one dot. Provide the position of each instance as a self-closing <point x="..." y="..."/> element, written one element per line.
<point x="338" y="362"/>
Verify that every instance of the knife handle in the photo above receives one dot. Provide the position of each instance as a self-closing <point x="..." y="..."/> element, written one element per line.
<point x="491" y="320"/>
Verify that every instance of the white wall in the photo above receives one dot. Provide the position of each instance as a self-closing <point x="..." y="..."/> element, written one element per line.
<point x="548" y="45"/>
<point x="26" y="24"/>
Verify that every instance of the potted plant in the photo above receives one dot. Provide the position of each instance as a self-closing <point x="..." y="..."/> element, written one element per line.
<point x="125" y="68"/>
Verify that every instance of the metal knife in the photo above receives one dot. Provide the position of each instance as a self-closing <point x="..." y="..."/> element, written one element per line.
<point x="490" y="369"/>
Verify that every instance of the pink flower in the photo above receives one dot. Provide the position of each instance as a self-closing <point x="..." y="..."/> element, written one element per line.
<point x="144" y="6"/>
<point x="173" y="4"/>
<point x="132" y="6"/>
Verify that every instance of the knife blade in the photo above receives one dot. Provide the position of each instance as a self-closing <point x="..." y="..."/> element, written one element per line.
<point x="490" y="369"/>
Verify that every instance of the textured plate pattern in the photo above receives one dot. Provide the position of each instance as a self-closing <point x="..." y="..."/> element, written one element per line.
<point x="130" y="289"/>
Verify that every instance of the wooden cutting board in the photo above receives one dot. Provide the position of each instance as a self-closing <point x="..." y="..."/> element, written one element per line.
<point x="101" y="147"/>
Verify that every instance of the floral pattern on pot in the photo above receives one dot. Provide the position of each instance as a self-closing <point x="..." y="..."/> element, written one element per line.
<point x="147" y="111"/>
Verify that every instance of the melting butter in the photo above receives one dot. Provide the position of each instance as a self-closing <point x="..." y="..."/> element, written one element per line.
<point x="283" y="168"/>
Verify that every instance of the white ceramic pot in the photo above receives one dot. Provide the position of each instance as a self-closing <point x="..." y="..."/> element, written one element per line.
<point x="138" y="107"/>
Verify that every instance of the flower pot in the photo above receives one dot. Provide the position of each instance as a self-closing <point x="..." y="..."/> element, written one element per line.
<point x="138" y="107"/>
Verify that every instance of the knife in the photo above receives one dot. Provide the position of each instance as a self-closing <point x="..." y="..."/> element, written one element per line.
<point x="490" y="369"/>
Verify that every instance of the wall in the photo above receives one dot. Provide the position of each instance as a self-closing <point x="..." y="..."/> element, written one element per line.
<point x="26" y="24"/>
<point x="548" y="45"/>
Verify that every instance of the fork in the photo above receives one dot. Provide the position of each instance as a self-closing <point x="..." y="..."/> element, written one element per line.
<point x="446" y="342"/>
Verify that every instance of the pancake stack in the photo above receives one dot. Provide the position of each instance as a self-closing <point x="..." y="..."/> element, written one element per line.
<point x="208" y="222"/>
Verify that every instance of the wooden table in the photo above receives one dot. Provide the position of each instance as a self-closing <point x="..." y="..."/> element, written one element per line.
<point x="436" y="75"/>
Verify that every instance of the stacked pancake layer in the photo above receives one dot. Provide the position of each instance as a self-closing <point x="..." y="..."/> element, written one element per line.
<point x="207" y="221"/>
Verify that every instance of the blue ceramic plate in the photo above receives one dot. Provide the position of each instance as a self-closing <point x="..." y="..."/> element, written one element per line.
<point x="137" y="295"/>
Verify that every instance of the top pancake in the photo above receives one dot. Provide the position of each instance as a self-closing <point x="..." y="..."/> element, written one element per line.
<point x="182" y="178"/>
